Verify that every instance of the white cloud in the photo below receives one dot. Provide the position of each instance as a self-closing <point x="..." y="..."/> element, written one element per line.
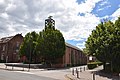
<point x="119" y="5"/>
<point x="116" y="13"/>
<point x="83" y="27"/>
<point x="11" y="7"/>
<point x="4" y="15"/>
<point x="104" y="3"/>
<point x="87" y="6"/>
<point x="1" y="1"/>
<point x="81" y="45"/>
<point x="100" y="9"/>
<point x="22" y="16"/>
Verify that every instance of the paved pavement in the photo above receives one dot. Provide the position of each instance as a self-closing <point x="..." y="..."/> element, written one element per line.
<point x="54" y="74"/>
<point x="98" y="75"/>
<point x="13" y="75"/>
<point x="66" y="74"/>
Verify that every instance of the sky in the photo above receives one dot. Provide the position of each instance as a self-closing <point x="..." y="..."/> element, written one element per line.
<point x="74" y="18"/>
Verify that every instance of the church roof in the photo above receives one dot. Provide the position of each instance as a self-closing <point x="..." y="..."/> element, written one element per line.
<point x="69" y="45"/>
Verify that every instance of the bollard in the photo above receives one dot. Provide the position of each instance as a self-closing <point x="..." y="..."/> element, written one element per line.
<point x="84" y="68"/>
<point x="12" y="67"/>
<point x="6" y="66"/>
<point x="93" y="76"/>
<point x="72" y="71"/>
<point x="76" y="70"/>
<point x="80" y="69"/>
<point x="77" y="74"/>
<point x="23" y="68"/>
<point x="118" y="76"/>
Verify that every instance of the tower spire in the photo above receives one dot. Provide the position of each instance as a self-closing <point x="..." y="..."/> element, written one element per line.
<point x="49" y="23"/>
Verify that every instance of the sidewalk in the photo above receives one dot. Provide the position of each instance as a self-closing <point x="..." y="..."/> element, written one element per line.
<point x="56" y="74"/>
<point x="99" y="75"/>
<point x="66" y="74"/>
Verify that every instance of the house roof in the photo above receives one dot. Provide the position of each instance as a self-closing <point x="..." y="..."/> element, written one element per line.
<point x="7" y="39"/>
<point x="69" y="45"/>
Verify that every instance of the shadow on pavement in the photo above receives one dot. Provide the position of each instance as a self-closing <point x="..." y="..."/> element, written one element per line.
<point x="102" y="73"/>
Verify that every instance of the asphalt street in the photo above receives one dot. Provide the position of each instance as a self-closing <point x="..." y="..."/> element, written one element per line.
<point x="12" y="75"/>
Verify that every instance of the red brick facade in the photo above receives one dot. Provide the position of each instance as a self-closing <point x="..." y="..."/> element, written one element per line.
<point x="73" y="57"/>
<point x="9" y="48"/>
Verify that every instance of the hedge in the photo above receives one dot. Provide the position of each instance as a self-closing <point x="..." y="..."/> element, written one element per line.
<point x="93" y="65"/>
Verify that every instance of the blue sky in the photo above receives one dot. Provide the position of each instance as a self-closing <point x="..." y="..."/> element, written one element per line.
<point x="102" y="9"/>
<point x="108" y="8"/>
<point x="74" y="18"/>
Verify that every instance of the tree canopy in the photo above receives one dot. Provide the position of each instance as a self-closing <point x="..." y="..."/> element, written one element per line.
<point x="28" y="47"/>
<point x="49" y="44"/>
<point x="104" y="42"/>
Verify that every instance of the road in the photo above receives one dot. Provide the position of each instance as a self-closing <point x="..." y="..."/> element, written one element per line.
<point x="12" y="75"/>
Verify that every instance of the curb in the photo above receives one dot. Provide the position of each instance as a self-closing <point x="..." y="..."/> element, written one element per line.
<point x="70" y="77"/>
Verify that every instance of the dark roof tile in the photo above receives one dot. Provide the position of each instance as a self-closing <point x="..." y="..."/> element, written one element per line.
<point x="69" y="45"/>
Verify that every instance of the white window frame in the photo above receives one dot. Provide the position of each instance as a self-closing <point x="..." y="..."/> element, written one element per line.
<point x="3" y="48"/>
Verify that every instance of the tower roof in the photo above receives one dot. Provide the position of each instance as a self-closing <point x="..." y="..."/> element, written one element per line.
<point x="50" y="23"/>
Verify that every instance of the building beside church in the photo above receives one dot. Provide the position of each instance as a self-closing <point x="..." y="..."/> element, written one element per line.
<point x="9" y="48"/>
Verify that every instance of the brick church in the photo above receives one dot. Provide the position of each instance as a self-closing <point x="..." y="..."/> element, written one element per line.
<point x="9" y="50"/>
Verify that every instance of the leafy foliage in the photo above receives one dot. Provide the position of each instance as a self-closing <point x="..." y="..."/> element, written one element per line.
<point x="51" y="45"/>
<point x="48" y="45"/>
<point x="28" y="47"/>
<point x="104" y="43"/>
<point x="93" y="65"/>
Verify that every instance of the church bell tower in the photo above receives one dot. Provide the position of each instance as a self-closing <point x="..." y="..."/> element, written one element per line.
<point x="49" y="23"/>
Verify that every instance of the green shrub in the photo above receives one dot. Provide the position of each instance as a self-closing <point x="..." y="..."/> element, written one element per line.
<point x="93" y="65"/>
<point x="99" y="63"/>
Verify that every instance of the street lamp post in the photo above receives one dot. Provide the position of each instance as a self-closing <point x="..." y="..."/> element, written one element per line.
<point x="30" y="54"/>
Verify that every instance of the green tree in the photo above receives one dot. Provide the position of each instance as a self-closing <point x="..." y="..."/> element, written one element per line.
<point x="104" y="43"/>
<point x="116" y="47"/>
<point x="51" y="45"/>
<point x="28" y="47"/>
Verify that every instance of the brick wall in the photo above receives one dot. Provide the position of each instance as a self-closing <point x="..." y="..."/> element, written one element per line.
<point x="11" y="50"/>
